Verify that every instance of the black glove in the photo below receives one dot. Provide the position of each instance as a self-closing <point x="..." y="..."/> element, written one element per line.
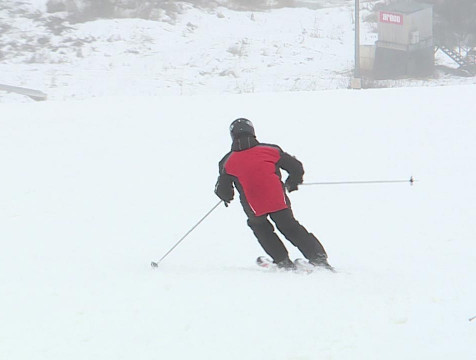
<point x="291" y="185"/>
<point x="226" y="198"/>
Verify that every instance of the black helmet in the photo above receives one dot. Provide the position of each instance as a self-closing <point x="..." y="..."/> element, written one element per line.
<point x="241" y="126"/>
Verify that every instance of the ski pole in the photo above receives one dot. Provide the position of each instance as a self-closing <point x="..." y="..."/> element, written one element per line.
<point x="156" y="264"/>
<point x="471" y="319"/>
<point x="411" y="181"/>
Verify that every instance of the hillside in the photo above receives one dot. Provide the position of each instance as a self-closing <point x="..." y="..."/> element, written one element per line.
<point x="196" y="51"/>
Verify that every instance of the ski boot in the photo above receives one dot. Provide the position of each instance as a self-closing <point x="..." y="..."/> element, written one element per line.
<point x="321" y="262"/>
<point x="286" y="264"/>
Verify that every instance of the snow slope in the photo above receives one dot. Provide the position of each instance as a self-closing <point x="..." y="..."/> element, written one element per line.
<point x="198" y="51"/>
<point x="92" y="191"/>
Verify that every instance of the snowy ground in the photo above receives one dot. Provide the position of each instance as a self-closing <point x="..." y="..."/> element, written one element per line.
<point x="92" y="191"/>
<point x="211" y="51"/>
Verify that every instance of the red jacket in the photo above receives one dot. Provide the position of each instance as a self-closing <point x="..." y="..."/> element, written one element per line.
<point x="254" y="169"/>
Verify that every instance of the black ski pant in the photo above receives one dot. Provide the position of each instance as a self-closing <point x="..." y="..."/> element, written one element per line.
<point x="292" y="230"/>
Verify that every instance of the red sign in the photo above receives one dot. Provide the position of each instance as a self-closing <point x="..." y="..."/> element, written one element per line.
<point x="391" y="18"/>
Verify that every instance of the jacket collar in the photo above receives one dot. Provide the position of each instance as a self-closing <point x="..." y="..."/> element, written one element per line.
<point x="244" y="142"/>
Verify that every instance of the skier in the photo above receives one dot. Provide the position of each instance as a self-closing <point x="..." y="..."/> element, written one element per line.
<point x="254" y="169"/>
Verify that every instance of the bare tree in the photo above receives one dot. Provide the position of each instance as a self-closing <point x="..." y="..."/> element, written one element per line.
<point x="455" y="23"/>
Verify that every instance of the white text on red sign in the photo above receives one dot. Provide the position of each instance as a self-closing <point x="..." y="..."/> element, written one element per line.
<point x="391" y="18"/>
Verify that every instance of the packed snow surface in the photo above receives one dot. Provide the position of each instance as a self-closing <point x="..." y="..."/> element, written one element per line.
<point x="92" y="191"/>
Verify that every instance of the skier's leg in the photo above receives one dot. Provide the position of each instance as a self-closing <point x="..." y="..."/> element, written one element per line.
<point x="269" y="241"/>
<point x="297" y="234"/>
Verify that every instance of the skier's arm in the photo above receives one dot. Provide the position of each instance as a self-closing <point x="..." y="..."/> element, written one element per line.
<point x="294" y="168"/>
<point x="224" y="186"/>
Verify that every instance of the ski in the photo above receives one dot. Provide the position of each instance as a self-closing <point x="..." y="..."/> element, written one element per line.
<point x="305" y="264"/>
<point x="302" y="265"/>
<point x="266" y="262"/>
